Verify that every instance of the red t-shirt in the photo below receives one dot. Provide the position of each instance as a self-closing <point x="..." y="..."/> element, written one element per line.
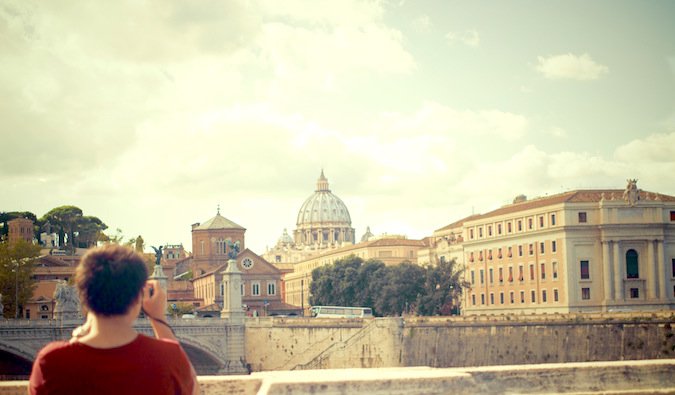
<point x="144" y="366"/>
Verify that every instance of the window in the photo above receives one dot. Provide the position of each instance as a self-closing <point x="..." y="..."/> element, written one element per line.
<point x="632" y="267"/>
<point x="501" y="298"/>
<point x="554" y="269"/>
<point x="520" y="225"/>
<point x="541" y="247"/>
<point x="471" y="256"/>
<point x="482" y="298"/>
<point x="555" y="295"/>
<point x="480" y="232"/>
<point x="529" y="223"/>
<point x="471" y="233"/>
<point x="634" y="293"/>
<point x="510" y="252"/>
<point x="531" y="272"/>
<point x="533" y="296"/>
<point x="522" y="296"/>
<point x="490" y="254"/>
<point x="510" y="274"/>
<point x="543" y="296"/>
<point x="480" y="255"/>
<point x="520" y="250"/>
<point x="499" y="254"/>
<point x="501" y="275"/>
<point x="473" y="278"/>
<point x="582" y="217"/>
<point x="491" y="276"/>
<point x="255" y="289"/>
<point x="473" y="300"/>
<point x="481" y="277"/>
<point x="511" y="297"/>
<point x="530" y="249"/>
<point x="521" y="276"/>
<point x="585" y="293"/>
<point x="202" y="245"/>
<point x="241" y="288"/>
<point x="492" y="298"/>
<point x="27" y="312"/>
<point x="222" y="289"/>
<point x="271" y="288"/>
<point x="552" y="219"/>
<point x="508" y="227"/>
<point x="672" y="215"/>
<point x="554" y="247"/>
<point x="499" y="229"/>
<point x="543" y="271"/>
<point x="541" y="222"/>
<point x="220" y="247"/>
<point x="672" y="264"/>
<point x="489" y="230"/>
<point x="584" y="270"/>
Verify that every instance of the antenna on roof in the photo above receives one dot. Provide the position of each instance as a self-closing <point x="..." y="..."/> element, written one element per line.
<point x="218" y="213"/>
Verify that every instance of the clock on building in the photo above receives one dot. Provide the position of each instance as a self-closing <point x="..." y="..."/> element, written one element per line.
<point x="247" y="263"/>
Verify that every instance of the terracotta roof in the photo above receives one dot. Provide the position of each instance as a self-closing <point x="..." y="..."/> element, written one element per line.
<point x="458" y="223"/>
<point x="395" y="242"/>
<point x="218" y="222"/>
<point x="44" y="290"/>
<point x="578" y="196"/>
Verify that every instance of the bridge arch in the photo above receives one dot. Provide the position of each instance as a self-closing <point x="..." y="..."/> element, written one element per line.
<point x="15" y="363"/>
<point x="204" y="361"/>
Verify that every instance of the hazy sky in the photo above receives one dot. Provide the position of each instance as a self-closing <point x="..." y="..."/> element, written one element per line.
<point x="150" y="114"/>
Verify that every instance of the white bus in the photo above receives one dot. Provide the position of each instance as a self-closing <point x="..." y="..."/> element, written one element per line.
<point x="341" y="312"/>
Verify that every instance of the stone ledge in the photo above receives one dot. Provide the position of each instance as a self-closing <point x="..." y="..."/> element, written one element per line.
<point x="617" y="377"/>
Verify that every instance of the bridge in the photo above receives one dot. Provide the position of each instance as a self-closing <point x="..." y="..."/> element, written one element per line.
<point x="215" y="346"/>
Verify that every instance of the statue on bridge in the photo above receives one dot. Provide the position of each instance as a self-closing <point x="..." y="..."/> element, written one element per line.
<point x="67" y="302"/>
<point x="234" y="249"/>
<point x="158" y="254"/>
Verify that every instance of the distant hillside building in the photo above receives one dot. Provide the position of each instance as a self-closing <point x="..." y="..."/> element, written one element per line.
<point x="323" y="223"/>
<point x="20" y="229"/>
<point x="579" y="251"/>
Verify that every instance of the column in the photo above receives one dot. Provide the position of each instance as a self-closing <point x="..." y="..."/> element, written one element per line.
<point x="607" y="271"/>
<point x="618" y="275"/>
<point x="661" y="270"/>
<point x="651" y="271"/>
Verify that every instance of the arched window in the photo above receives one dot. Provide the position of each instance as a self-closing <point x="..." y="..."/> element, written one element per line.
<point x="632" y="267"/>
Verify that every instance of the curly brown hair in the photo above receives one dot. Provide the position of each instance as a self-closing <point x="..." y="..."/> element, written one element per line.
<point x="109" y="278"/>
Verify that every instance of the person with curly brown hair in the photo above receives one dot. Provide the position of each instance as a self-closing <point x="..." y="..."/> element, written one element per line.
<point x="106" y="354"/>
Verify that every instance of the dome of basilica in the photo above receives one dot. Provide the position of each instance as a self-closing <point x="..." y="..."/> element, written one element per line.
<point x="323" y="208"/>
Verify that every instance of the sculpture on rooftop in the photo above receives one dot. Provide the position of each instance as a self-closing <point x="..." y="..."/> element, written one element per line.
<point x="158" y="254"/>
<point x="632" y="194"/>
<point x="233" y="249"/>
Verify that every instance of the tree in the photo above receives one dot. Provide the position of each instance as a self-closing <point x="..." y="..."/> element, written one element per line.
<point x="65" y="219"/>
<point x="89" y="231"/>
<point x="443" y="287"/>
<point x="335" y="284"/>
<point x="398" y="289"/>
<point x="16" y="269"/>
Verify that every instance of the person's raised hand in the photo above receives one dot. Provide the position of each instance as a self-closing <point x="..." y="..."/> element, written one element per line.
<point x="154" y="299"/>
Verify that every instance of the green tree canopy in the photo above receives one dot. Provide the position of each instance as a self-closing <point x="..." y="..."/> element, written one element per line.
<point x="83" y="231"/>
<point x="5" y="217"/>
<point x="16" y="267"/>
<point x="388" y="290"/>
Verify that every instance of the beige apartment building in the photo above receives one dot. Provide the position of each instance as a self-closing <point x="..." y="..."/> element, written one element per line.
<point x="579" y="251"/>
<point x="391" y="250"/>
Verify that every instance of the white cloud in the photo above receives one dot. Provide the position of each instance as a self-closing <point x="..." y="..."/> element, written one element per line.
<point x="422" y="24"/>
<point x="657" y="148"/>
<point x="467" y="37"/>
<point x="570" y="66"/>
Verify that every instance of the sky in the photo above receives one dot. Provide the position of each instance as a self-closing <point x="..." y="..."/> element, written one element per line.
<point x="151" y="115"/>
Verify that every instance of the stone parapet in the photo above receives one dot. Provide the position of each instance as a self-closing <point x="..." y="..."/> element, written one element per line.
<point x="619" y="377"/>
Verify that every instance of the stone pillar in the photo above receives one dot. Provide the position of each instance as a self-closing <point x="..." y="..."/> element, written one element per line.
<point x="651" y="271"/>
<point x="618" y="275"/>
<point x="661" y="270"/>
<point x="232" y="294"/>
<point x="607" y="272"/>
<point x="158" y="274"/>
